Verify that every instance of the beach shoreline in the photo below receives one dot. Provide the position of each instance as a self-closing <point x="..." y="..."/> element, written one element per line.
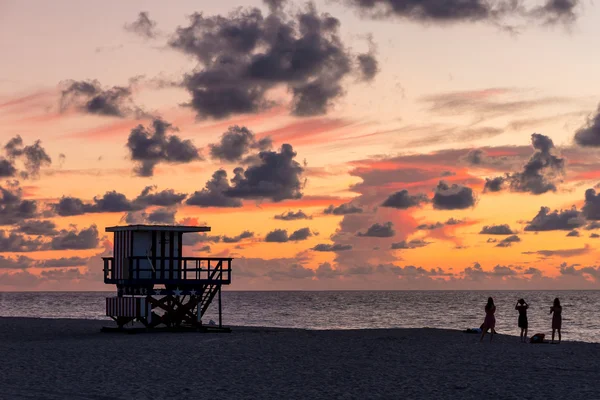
<point x="70" y="358"/>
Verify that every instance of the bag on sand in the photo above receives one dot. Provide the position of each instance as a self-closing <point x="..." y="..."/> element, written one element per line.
<point x="537" y="338"/>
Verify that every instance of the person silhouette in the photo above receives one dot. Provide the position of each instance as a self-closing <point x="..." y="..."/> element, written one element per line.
<point x="490" y="320"/>
<point x="522" y="307"/>
<point x="556" y="310"/>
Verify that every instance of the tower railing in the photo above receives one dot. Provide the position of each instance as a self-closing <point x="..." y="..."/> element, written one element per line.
<point x="168" y="270"/>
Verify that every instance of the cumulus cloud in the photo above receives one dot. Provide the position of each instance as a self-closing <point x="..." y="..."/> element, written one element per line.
<point x="539" y="174"/>
<point x="573" y="233"/>
<point x="412" y="244"/>
<point x="343" y="209"/>
<point x="12" y="242"/>
<point x="74" y="239"/>
<point x="379" y="230"/>
<point x="245" y="54"/>
<point x="503" y="229"/>
<point x="91" y="98"/>
<point x="292" y="216"/>
<point x="13" y="208"/>
<point x="281" y="235"/>
<point x="238" y="238"/>
<point x="594" y="236"/>
<point x="589" y="134"/>
<point x="556" y="220"/>
<point x="236" y="143"/>
<point x="403" y="200"/>
<point x="214" y="193"/>
<point x="277" y="176"/>
<point x="143" y="26"/>
<point x="165" y="198"/>
<point x="591" y="207"/>
<point x="33" y="157"/>
<point x="332" y="247"/>
<point x="494" y="184"/>
<point x="37" y="227"/>
<point x="159" y="216"/>
<point x="454" y="197"/>
<point x="151" y="146"/>
<point x="508" y="241"/>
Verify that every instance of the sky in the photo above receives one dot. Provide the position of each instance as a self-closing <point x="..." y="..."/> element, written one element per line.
<point x="334" y="145"/>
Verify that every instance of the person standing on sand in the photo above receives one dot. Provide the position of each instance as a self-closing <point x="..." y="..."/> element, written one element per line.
<point x="490" y="320"/>
<point x="522" y="307"/>
<point x="556" y="318"/>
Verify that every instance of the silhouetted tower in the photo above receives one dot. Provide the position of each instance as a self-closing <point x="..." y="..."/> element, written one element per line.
<point x="156" y="284"/>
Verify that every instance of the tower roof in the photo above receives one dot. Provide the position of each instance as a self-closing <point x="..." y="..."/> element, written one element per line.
<point x="164" y="228"/>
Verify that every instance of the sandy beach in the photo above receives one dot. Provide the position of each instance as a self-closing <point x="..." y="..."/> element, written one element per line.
<point x="72" y="359"/>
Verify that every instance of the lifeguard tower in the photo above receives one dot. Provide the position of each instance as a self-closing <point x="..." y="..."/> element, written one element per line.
<point x="156" y="285"/>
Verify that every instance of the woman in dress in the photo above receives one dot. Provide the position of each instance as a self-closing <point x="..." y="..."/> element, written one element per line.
<point x="522" y="307"/>
<point x="556" y="309"/>
<point x="490" y="320"/>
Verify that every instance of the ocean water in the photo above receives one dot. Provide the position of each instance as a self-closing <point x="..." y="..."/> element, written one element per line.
<point x="351" y="309"/>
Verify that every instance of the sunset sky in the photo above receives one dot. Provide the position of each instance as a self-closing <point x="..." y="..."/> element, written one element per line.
<point x="342" y="144"/>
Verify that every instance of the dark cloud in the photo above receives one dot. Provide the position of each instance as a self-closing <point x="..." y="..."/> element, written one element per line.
<point x="69" y="206"/>
<point x="76" y="240"/>
<point x="556" y="11"/>
<point x="508" y="241"/>
<point x="281" y="235"/>
<point x="455" y="197"/>
<point x="494" y="185"/>
<point x="412" y="244"/>
<point x="556" y="220"/>
<point x="193" y="238"/>
<point x="594" y="236"/>
<point x="204" y="249"/>
<point x="238" y="238"/>
<point x="7" y="168"/>
<point x="37" y="228"/>
<point x="277" y="236"/>
<point x="151" y="146"/>
<point x="164" y="216"/>
<point x="379" y="230"/>
<point x="300" y="234"/>
<point x="13" y="208"/>
<point x="91" y="98"/>
<point x="112" y="202"/>
<point x="332" y="247"/>
<point x="591" y="207"/>
<point x="236" y="143"/>
<point x="573" y="233"/>
<point x="539" y="174"/>
<point x="403" y="200"/>
<point x="277" y="176"/>
<point x="592" y="225"/>
<point x="143" y="26"/>
<point x="430" y="227"/>
<point x="165" y="198"/>
<point x="245" y="54"/>
<point x="292" y="216"/>
<point x="213" y="194"/>
<point x="34" y="157"/>
<point x="496" y="230"/>
<point x="343" y="209"/>
<point x="275" y="5"/>
<point x="448" y="173"/>
<point x="589" y="135"/>
<point x="12" y="242"/>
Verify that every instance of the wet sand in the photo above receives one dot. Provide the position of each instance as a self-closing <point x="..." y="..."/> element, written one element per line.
<point x="72" y="359"/>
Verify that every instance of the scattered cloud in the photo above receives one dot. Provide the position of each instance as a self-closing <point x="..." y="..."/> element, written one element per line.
<point x="281" y="235"/>
<point x="303" y="53"/>
<point x="496" y="230"/>
<point x="412" y="244"/>
<point x="508" y="241"/>
<point x="292" y="216"/>
<point x="151" y="146"/>
<point x="556" y="220"/>
<point x="236" y="143"/>
<point x="143" y="26"/>
<point x="343" y="209"/>
<point x="379" y="230"/>
<point x="332" y="247"/>
<point x="403" y="200"/>
<point x="453" y="197"/>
